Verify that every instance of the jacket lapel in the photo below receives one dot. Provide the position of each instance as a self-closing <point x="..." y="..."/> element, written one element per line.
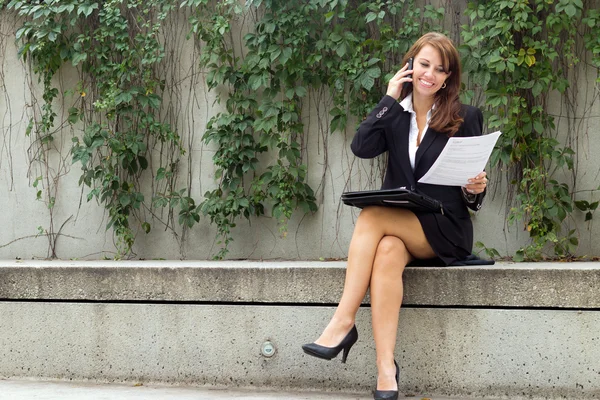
<point x="430" y="138"/>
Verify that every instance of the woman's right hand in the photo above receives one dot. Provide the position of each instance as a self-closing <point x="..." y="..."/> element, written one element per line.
<point x="395" y="84"/>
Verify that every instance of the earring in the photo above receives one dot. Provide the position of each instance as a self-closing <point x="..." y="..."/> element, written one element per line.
<point x="444" y="85"/>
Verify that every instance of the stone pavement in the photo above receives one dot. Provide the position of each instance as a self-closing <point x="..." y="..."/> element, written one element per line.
<point x="43" y="390"/>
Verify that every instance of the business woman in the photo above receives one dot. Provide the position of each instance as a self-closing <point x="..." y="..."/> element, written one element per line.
<point x="413" y="123"/>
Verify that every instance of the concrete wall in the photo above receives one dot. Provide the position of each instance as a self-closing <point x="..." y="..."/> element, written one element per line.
<point x="511" y="331"/>
<point x="74" y="228"/>
<point x="455" y="352"/>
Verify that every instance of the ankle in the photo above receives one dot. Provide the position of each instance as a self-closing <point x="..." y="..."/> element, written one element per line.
<point x="342" y="323"/>
<point x="386" y="364"/>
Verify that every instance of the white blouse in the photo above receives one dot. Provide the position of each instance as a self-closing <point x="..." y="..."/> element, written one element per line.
<point x="413" y="134"/>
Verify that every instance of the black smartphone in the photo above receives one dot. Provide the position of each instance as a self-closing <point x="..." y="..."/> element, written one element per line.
<point x="410" y="66"/>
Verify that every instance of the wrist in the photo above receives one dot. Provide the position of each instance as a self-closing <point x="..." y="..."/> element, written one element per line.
<point x="470" y="197"/>
<point x="393" y="95"/>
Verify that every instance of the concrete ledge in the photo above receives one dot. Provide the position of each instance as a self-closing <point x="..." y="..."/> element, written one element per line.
<point x="554" y="285"/>
<point x="506" y="331"/>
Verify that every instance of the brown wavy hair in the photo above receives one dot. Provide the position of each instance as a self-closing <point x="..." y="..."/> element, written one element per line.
<point x="446" y="117"/>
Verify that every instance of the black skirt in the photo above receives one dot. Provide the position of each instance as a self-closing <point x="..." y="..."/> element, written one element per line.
<point x="450" y="237"/>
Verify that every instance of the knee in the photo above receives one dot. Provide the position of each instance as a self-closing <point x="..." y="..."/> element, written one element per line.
<point x="391" y="252"/>
<point x="390" y="245"/>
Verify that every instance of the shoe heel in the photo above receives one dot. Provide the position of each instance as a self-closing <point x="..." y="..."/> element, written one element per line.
<point x="345" y="354"/>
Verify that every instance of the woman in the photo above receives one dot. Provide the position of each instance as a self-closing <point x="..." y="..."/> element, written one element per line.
<point x="385" y="239"/>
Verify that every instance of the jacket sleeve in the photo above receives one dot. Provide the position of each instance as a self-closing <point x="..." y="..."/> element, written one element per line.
<point x="473" y="126"/>
<point x="370" y="138"/>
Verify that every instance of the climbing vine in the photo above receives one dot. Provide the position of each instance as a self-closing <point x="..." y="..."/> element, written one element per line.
<point x="294" y="48"/>
<point x="116" y="46"/>
<point x="517" y="54"/>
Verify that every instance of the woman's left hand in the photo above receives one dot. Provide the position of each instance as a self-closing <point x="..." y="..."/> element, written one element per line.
<point x="478" y="184"/>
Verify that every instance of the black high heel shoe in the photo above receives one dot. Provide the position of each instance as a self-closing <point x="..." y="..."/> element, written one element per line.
<point x="388" y="394"/>
<point x="327" y="353"/>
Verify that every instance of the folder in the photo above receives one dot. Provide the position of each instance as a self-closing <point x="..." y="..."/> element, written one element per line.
<point x="400" y="197"/>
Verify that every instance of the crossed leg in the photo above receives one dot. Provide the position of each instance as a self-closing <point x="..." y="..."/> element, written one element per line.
<point x="385" y="239"/>
<point x="386" y="291"/>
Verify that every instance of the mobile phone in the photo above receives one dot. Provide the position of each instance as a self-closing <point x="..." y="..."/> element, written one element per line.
<point x="410" y="66"/>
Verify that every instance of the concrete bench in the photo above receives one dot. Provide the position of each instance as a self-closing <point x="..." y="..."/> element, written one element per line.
<point x="518" y="330"/>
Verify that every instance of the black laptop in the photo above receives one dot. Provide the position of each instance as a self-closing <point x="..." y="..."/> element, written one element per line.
<point x="400" y="197"/>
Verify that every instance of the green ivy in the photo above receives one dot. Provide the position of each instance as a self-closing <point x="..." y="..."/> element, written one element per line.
<point x="295" y="48"/>
<point x="515" y="54"/>
<point x="591" y="22"/>
<point x="117" y="47"/>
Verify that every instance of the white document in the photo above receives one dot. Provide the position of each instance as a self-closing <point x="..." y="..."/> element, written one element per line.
<point x="462" y="159"/>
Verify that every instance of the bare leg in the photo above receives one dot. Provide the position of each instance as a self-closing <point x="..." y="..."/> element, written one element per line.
<point x="372" y="225"/>
<point x="386" y="299"/>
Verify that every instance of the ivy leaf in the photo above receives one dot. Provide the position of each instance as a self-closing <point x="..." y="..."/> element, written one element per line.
<point x="143" y="162"/>
<point x="273" y="191"/>
<point x="87" y="8"/>
<point x="561" y="84"/>
<point x="471" y="64"/>
<point x="367" y="81"/>
<point x="505" y="155"/>
<point x="125" y="200"/>
<point x="24" y="31"/>
<point x="529" y="60"/>
<point x="73" y="115"/>
<point x="154" y="101"/>
<point x="570" y="10"/>
<point x="301" y="91"/>
<point x="537" y="89"/>
<point x="65" y="7"/>
<point x="495" y="58"/>
<point x="98" y="141"/>
<point x="40" y="12"/>
<point x="341" y="49"/>
<point x="160" y="174"/>
<point x="374" y="72"/>
<point x="519" y="256"/>
<point x="285" y="55"/>
<point x="467" y="96"/>
<point x="495" y="157"/>
<point x="78" y="58"/>
<point x="275" y="54"/>
<point x="123" y="97"/>
<point x="334" y="37"/>
<point x="255" y="81"/>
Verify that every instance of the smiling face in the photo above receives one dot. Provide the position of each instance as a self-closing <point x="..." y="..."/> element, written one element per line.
<point x="429" y="74"/>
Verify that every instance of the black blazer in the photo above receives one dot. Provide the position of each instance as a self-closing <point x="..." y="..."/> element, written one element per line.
<point x="386" y="129"/>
